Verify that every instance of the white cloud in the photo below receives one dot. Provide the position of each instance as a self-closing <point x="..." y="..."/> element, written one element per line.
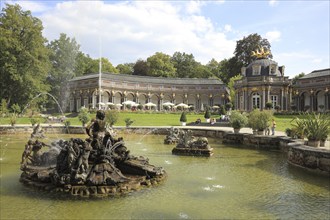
<point x="228" y="28"/>
<point x="273" y="2"/>
<point x="194" y="7"/>
<point x="33" y="6"/>
<point x="138" y="29"/>
<point x="317" y="60"/>
<point x="273" y="36"/>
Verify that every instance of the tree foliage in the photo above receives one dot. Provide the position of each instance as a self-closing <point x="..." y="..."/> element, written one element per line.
<point x="160" y="64"/>
<point x="24" y="58"/>
<point x="126" y="68"/>
<point x="244" y="48"/>
<point x="229" y="68"/>
<point x="140" y="68"/>
<point x="184" y="64"/>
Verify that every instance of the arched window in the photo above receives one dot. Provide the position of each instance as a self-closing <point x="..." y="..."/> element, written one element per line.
<point x="256" y="100"/>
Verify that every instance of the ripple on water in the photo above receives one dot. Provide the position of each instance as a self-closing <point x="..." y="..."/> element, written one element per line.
<point x="183" y="215"/>
<point x="210" y="178"/>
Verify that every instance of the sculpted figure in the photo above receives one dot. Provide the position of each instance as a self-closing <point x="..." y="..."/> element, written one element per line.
<point x="26" y="156"/>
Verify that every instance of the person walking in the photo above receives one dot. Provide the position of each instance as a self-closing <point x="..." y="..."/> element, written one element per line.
<point x="273" y="126"/>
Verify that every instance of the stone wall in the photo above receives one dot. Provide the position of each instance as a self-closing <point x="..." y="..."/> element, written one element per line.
<point x="309" y="158"/>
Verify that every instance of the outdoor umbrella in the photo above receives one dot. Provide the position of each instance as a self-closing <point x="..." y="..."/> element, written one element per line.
<point x="150" y="104"/>
<point x="182" y="105"/>
<point x="168" y="104"/>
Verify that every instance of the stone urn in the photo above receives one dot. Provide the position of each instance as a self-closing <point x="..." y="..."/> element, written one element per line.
<point x="313" y="143"/>
<point x="236" y="130"/>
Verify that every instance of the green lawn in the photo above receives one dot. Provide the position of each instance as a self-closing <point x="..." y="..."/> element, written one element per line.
<point x="155" y="119"/>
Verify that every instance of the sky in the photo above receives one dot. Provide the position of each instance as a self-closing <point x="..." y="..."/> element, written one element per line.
<point x="125" y="31"/>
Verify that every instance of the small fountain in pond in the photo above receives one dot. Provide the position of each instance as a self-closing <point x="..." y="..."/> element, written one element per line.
<point x="172" y="137"/>
<point x="192" y="146"/>
<point x="100" y="165"/>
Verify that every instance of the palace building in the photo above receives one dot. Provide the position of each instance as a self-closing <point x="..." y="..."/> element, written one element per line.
<point x="311" y="92"/>
<point x="118" y="88"/>
<point x="262" y="81"/>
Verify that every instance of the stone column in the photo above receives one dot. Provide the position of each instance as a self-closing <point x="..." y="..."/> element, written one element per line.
<point x="263" y="104"/>
<point x="281" y="100"/>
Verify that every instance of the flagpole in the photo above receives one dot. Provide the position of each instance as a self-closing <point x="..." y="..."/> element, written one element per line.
<point x="100" y="75"/>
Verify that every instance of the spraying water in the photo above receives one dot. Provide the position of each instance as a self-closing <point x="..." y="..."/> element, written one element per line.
<point x="44" y="93"/>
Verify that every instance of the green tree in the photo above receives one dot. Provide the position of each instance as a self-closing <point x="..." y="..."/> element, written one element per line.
<point x="140" y="68"/>
<point x="244" y="48"/>
<point x="84" y="64"/>
<point x="232" y="93"/>
<point x="229" y="68"/>
<point x="106" y="67"/>
<point x="160" y="65"/>
<point x="294" y="80"/>
<point x="184" y="64"/>
<point x="64" y="52"/>
<point x="16" y="108"/>
<point x="126" y="68"/>
<point x="214" y="67"/>
<point x="24" y="58"/>
<point x="3" y="108"/>
<point x="201" y="71"/>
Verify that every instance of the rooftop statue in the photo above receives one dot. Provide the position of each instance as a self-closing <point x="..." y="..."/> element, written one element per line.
<point x="261" y="53"/>
<point x="98" y="165"/>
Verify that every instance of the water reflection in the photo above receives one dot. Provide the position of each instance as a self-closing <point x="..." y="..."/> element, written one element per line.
<point x="233" y="184"/>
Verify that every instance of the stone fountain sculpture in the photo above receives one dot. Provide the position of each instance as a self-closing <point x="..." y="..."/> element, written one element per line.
<point x="192" y="146"/>
<point x="100" y="165"/>
<point x="172" y="137"/>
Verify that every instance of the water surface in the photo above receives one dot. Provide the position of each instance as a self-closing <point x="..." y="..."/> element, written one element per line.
<point x="233" y="184"/>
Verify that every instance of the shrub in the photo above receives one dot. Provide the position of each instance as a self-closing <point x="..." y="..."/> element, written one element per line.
<point x="111" y="117"/>
<point x="13" y="119"/>
<point x="183" y="117"/>
<point x="269" y="105"/>
<point x="128" y="122"/>
<point x="222" y="110"/>
<point x="229" y="105"/>
<point x="259" y="120"/>
<point x="238" y="120"/>
<point x="207" y="114"/>
<point x="16" y="108"/>
<point x="34" y="121"/>
<point x="83" y="116"/>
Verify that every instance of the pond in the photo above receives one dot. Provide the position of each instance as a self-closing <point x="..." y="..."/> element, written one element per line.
<point x="234" y="183"/>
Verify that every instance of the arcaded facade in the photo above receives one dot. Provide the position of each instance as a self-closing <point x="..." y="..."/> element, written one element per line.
<point x="311" y="92"/>
<point x="118" y="88"/>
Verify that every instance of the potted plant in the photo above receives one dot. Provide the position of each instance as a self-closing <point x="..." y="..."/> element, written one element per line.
<point x="237" y="121"/>
<point x="259" y="120"/>
<point x="315" y="127"/>
<point x="269" y="105"/>
<point x="183" y="118"/>
<point x="207" y="115"/>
